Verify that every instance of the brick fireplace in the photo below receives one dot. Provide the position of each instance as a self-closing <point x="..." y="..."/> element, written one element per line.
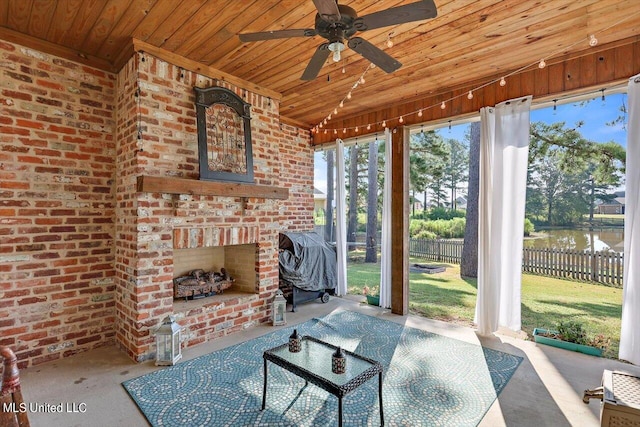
<point x="156" y="222"/>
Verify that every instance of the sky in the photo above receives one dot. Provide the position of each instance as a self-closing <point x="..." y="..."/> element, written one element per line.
<point x="594" y="114"/>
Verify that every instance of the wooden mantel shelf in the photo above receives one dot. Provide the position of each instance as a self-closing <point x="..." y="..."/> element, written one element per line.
<point x="161" y="184"/>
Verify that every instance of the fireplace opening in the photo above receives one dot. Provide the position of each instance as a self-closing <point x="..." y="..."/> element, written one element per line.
<point x="211" y="271"/>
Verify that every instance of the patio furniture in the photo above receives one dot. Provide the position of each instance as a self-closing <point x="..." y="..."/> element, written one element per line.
<point x="13" y="412"/>
<point x="620" y="396"/>
<point x="313" y="364"/>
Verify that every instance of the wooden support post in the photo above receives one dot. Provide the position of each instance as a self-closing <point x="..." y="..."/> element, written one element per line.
<point x="400" y="222"/>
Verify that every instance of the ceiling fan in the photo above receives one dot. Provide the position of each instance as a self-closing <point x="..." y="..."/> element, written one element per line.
<point x="338" y="23"/>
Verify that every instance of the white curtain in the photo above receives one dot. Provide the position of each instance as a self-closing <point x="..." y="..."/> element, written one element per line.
<point x="630" y="330"/>
<point x="385" y="247"/>
<point x="504" y="150"/>
<point x="341" y="223"/>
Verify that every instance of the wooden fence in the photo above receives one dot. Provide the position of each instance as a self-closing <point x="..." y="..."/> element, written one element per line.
<point x="436" y="250"/>
<point x="600" y="267"/>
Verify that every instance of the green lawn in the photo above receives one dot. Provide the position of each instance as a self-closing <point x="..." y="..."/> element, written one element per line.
<point x="545" y="301"/>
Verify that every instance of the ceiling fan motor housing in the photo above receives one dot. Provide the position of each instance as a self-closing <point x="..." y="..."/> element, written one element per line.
<point x="339" y="30"/>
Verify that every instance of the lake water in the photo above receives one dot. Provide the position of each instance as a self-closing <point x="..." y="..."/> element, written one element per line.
<point x="597" y="240"/>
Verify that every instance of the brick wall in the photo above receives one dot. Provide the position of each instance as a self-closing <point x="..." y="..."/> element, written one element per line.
<point x="56" y="205"/>
<point x="85" y="260"/>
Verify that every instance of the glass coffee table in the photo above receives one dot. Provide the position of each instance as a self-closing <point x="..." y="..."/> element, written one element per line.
<point x="313" y="364"/>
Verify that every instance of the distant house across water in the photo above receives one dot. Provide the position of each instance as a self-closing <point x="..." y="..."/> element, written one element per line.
<point x="614" y="206"/>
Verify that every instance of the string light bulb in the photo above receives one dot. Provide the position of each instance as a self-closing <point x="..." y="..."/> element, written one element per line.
<point x="369" y="126"/>
<point x="335" y="110"/>
<point x="361" y="80"/>
<point x="470" y="95"/>
<point x="389" y="41"/>
<point x="344" y="130"/>
<point x="349" y="95"/>
<point x="341" y="103"/>
<point x="420" y="113"/>
<point x="503" y="82"/>
<point x="356" y="129"/>
<point x="593" y="41"/>
<point x="335" y="131"/>
<point x="384" y="123"/>
<point x="443" y="105"/>
<point x="542" y="64"/>
<point x="401" y="120"/>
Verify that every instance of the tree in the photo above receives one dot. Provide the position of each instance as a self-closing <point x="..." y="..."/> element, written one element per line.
<point x="352" y="222"/>
<point x="610" y="156"/>
<point x="456" y="171"/>
<point x="427" y="161"/>
<point x="567" y="172"/>
<point x="437" y="189"/>
<point x="552" y="190"/>
<point x="371" y="254"/>
<point x="469" y="262"/>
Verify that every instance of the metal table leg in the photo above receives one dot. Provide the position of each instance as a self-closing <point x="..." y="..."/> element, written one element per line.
<point x="380" y="398"/>
<point x="340" y="411"/>
<point x="264" y="389"/>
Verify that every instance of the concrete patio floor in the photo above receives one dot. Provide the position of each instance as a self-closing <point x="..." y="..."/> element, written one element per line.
<point x="546" y="390"/>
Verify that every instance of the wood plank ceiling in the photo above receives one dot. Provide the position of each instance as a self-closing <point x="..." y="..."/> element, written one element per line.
<point x="469" y="40"/>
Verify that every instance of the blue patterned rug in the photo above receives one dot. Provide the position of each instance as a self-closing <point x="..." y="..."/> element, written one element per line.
<point x="429" y="380"/>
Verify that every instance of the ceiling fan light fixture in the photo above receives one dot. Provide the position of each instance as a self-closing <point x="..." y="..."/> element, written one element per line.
<point x="336" y="47"/>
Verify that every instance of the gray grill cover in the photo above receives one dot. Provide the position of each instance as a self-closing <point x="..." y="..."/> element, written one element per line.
<point x="307" y="261"/>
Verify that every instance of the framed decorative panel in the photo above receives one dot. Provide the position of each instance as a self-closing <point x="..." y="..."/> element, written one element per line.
<point x="224" y="135"/>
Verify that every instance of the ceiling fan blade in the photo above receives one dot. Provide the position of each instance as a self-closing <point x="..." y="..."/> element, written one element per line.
<point x="317" y="61"/>
<point x="418" y="11"/>
<point x="374" y="54"/>
<point x="279" y="34"/>
<point x="328" y="10"/>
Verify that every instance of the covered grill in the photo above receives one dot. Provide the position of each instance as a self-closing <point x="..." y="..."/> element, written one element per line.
<point x="307" y="267"/>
